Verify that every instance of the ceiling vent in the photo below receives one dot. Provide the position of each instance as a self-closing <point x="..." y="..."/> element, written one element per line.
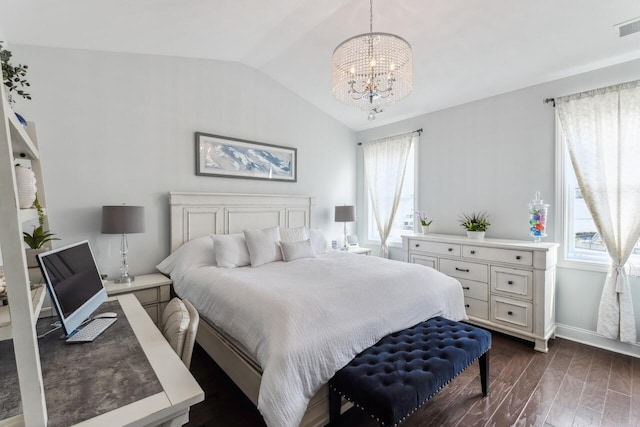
<point x="627" y="28"/>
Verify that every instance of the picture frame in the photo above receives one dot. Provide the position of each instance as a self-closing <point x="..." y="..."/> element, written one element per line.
<point x="226" y="157"/>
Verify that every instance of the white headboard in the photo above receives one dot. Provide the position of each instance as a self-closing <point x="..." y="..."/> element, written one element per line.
<point x="198" y="214"/>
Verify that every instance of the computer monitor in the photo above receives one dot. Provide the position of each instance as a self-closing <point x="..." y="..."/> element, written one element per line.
<point x="73" y="282"/>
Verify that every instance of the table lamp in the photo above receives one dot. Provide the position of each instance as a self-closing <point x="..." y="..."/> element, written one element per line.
<point x="123" y="219"/>
<point x="345" y="214"/>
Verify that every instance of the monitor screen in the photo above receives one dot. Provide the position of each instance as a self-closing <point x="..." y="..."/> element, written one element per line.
<point x="74" y="283"/>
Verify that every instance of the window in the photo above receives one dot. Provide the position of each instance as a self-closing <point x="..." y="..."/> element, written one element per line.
<point x="581" y="242"/>
<point x="404" y="220"/>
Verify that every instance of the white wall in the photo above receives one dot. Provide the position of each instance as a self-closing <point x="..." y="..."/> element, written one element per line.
<point x="119" y="128"/>
<point x="492" y="155"/>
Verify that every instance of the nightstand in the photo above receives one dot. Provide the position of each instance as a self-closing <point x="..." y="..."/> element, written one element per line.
<point x="152" y="290"/>
<point x="360" y="251"/>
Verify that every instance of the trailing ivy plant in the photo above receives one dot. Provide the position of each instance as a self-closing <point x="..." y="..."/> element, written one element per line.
<point x="13" y="76"/>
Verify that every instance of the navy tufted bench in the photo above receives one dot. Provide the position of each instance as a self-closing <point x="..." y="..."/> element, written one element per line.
<point x="393" y="378"/>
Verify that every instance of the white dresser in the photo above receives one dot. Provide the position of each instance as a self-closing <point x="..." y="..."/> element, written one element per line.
<point x="509" y="285"/>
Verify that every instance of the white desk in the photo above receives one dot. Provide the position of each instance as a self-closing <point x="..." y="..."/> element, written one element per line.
<point x="170" y="407"/>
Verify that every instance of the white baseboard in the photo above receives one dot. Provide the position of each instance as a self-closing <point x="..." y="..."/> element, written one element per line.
<point x="593" y="339"/>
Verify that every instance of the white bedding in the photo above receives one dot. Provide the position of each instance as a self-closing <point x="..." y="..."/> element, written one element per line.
<point x="304" y="320"/>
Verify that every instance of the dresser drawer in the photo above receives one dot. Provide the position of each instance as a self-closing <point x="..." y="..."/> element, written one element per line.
<point x="477" y="290"/>
<point x="508" y="256"/>
<point x="148" y="296"/>
<point x="424" y="260"/>
<point x="512" y="313"/>
<point x="464" y="270"/>
<point x="476" y="308"/>
<point x="416" y="245"/>
<point x="511" y="281"/>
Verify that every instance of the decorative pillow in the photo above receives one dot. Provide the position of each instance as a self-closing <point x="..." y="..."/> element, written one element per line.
<point x="175" y="322"/>
<point x="295" y="234"/>
<point x="297" y="250"/>
<point x="318" y="241"/>
<point x="193" y="254"/>
<point x="231" y="250"/>
<point x="264" y="245"/>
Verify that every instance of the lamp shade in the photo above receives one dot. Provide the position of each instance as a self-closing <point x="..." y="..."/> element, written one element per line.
<point x="345" y="213"/>
<point x="122" y="219"/>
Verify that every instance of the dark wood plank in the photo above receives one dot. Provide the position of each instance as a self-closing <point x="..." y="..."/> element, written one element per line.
<point x="620" y="379"/>
<point x="564" y="406"/>
<point x="586" y="417"/>
<point x="595" y="388"/>
<point x="514" y="403"/>
<point x="539" y="404"/>
<point x="617" y="408"/>
<point x="483" y="410"/>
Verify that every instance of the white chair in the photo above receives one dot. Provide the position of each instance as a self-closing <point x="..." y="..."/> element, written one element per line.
<point x="179" y="325"/>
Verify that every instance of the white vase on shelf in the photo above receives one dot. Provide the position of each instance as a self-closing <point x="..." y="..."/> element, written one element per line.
<point x="425" y="229"/>
<point x="26" y="183"/>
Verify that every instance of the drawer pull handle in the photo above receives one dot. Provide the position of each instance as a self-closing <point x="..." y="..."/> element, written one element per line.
<point x="473" y="252"/>
<point x="467" y="305"/>
<point x="466" y="288"/>
<point x="510" y="313"/>
<point x="510" y="282"/>
<point x="450" y="249"/>
<point x="518" y="257"/>
<point x="466" y="270"/>
<point x="417" y="245"/>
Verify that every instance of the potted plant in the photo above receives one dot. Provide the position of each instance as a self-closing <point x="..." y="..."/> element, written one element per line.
<point x="476" y="224"/>
<point x="38" y="238"/>
<point x="13" y="76"/>
<point x="425" y="222"/>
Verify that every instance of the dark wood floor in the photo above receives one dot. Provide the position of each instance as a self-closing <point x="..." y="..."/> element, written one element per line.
<point x="572" y="385"/>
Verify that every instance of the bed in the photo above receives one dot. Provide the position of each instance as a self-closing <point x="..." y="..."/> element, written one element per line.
<point x="332" y="321"/>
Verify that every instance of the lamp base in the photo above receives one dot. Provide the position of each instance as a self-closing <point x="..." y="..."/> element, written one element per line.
<point x="124" y="279"/>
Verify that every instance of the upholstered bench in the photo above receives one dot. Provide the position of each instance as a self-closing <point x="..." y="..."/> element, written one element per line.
<point x="393" y="378"/>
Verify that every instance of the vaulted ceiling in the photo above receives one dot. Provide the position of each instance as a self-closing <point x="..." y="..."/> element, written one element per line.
<point x="463" y="49"/>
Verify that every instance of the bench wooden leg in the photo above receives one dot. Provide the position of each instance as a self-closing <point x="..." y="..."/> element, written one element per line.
<point x="335" y="402"/>
<point x="484" y="372"/>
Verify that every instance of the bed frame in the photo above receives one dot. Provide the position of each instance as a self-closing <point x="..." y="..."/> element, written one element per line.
<point x="197" y="214"/>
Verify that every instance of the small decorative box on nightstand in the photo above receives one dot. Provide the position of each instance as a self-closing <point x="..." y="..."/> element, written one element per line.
<point x="360" y="251"/>
<point x="152" y="290"/>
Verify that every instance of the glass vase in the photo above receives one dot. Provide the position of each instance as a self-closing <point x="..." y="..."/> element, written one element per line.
<point x="538" y="218"/>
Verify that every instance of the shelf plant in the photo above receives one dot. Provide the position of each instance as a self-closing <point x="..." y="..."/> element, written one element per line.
<point x="475" y="223"/>
<point x="13" y="76"/>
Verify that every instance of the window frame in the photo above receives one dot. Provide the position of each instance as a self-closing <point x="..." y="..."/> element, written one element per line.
<point x="562" y="212"/>
<point x="367" y="211"/>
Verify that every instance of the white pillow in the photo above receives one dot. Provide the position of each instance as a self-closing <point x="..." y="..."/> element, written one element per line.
<point x="264" y="245"/>
<point x="192" y="254"/>
<point x="295" y="234"/>
<point x="318" y="241"/>
<point x="297" y="250"/>
<point x="231" y="250"/>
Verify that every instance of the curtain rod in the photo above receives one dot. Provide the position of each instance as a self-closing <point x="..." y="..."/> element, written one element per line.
<point x="417" y="130"/>
<point x="550" y="100"/>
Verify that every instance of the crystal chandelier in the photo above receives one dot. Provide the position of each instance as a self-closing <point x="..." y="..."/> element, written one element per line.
<point x="372" y="70"/>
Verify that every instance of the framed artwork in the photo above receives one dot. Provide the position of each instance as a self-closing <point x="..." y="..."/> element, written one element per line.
<point x="238" y="158"/>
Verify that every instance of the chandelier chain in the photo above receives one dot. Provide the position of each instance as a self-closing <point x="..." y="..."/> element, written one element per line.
<point x="370" y="16"/>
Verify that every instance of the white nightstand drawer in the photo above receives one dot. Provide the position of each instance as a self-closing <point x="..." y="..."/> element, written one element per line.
<point x="513" y="313"/>
<point x="511" y="281"/>
<point x="508" y="256"/>
<point x="416" y="245"/>
<point x="473" y="289"/>
<point x="148" y="296"/>
<point x="424" y="260"/>
<point x="476" y="308"/>
<point x="465" y="270"/>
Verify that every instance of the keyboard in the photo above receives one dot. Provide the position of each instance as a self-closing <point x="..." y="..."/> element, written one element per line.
<point x="91" y="330"/>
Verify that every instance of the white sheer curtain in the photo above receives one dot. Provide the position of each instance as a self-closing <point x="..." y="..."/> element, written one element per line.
<point x="385" y="162"/>
<point x="602" y="130"/>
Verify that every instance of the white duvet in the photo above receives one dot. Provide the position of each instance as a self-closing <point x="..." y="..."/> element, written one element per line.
<point x="304" y="320"/>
